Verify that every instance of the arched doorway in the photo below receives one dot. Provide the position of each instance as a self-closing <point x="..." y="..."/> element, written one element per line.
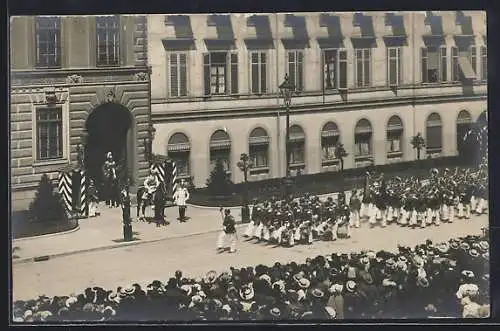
<point x="109" y="129"/>
<point x="464" y="124"/>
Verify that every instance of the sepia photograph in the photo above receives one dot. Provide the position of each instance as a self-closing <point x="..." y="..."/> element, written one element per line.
<point x="286" y="166"/>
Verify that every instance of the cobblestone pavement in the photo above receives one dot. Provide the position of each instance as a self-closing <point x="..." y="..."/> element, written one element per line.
<point x="106" y="231"/>
<point x="195" y="255"/>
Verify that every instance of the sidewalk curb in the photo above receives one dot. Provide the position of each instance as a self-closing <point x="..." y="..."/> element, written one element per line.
<point x="47" y="235"/>
<point x="118" y="245"/>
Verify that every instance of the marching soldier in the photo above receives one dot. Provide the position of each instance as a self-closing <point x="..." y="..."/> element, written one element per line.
<point x="228" y="232"/>
<point x="355" y="207"/>
<point x="181" y="196"/>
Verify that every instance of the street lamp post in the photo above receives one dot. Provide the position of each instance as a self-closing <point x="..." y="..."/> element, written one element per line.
<point x="244" y="164"/>
<point x="286" y="90"/>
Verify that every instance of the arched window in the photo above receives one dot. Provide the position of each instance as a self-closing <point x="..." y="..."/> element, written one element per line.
<point x="394" y="137"/>
<point x="259" y="150"/>
<point x="483" y="118"/>
<point x="297" y="147"/>
<point x="464" y="123"/>
<point x="220" y="149"/>
<point x="179" y="150"/>
<point x="330" y="137"/>
<point x="363" y="141"/>
<point x="434" y="134"/>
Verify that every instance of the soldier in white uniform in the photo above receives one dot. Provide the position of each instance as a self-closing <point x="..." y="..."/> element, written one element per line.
<point x="181" y="196"/>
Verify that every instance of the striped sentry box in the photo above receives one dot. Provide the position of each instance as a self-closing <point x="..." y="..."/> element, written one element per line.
<point x="160" y="171"/>
<point x="174" y="177"/>
<point x="83" y="194"/>
<point x="65" y="189"/>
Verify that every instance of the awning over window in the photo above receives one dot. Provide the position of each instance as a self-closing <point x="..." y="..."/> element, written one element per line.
<point x="330" y="133"/>
<point x="363" y="127"/>
<point x="220" y="35"/>
<point x="466" y="67"/>
<point x="295" y="33"/>
<point x="183" y="39"/>
<point x="258" y="33"/>
<point x="179" y="147"/>
<point x="258" y="140"/>
<point x="397" y="37"/>
<point x="220" y="144"/>
<point x="395" y="124"/>
<point x="333" y="37"/>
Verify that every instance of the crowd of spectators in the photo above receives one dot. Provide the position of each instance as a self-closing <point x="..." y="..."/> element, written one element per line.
<point x="449" y="279"/>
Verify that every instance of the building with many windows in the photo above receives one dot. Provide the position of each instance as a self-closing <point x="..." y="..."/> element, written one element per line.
<point x="77" y="83"/>
<point x="371" y="80"/>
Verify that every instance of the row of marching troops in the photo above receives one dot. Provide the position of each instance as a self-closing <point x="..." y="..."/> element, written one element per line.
<point x="411" y="202"/>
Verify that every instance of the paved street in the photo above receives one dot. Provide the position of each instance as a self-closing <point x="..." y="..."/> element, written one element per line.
<point x="106" y="231"/>
<point x="195" y="255"/>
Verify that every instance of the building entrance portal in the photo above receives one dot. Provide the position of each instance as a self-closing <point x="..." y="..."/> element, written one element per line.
<point x="109" y="128"/>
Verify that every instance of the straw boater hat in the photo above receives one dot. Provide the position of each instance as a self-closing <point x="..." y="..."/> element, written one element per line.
<point x="304" y="283"/>
<point x="247" y="293"/>
<point x="276" y="312"/>
<point x="465" y="246"/>
<point x="467" y="274"/>
<point x="423" y="282"/>
<point x="210" y="277"/>
<point x="350" y="285"/>
<point x="484" y="246"/>
<point x="317" y="293"/>
<point x="473" y="252"/>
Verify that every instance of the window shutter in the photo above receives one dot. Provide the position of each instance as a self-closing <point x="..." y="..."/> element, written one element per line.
<point x="174" y="78"/>
<point x="444" y="64"/>
<point x="206" y="73"/>
<point x="423" y="61"/>
<point x="300" y="71"/>
<point x="183" y="74"/>
<point x="263" y="73"/>
<point x="323" y="69"/>
<point x="342" y="70"/>
<point x="234" y="73"/>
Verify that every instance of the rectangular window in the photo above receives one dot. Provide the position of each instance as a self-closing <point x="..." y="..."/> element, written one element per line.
<point x="49" y="135"/>
<point x="221" y="73"/>
<point x="394" y="66"/>
<point x="258" y="72"/>
<point x="296" y="69"/>
<point x="363" y="67"/>
<point x="108" y="40"/>
<point x="258" y="155"/>
<point x="434" y="63"/>
<point x="456" y="53"/>
<point x="178" y="74"/>
<point x="484" y="63"/>
<point x="334" y="69"/>
<point x="48" y="42"/>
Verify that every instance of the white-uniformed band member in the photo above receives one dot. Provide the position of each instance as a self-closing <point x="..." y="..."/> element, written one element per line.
<point x="407" y="202"/>
<point x="228" y="233"/>
<point x="181" y="196"/>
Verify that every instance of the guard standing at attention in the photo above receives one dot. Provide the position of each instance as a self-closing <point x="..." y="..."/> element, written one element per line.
<point x="181" y="196"/>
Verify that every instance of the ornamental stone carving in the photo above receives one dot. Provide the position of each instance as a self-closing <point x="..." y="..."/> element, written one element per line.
<point x="74" y="79"/>
<point x="141" y="76"/>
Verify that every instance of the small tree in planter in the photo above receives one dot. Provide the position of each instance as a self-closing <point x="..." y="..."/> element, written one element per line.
<point x="418" y="143"/>
<point x="219" y="182"/>
<point x="47" y="205"/>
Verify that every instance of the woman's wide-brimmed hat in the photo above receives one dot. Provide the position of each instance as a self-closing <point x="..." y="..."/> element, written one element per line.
<point x="474" y="252"/>
<point x="443" y="247"/>
<point x="423" y="282"/>
<point x="467" y="274"/>
<point x="484" y="246"/>
<point x="276" y="312"/>
<point x="210" y="277"/>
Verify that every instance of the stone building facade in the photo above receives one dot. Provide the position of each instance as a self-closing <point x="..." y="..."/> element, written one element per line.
<point x="65" y="70"/>
<point x="370" y="80"/>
